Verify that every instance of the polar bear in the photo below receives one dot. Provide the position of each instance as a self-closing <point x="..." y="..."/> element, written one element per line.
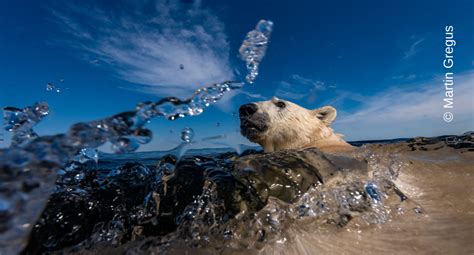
<point x="279" y="124"/>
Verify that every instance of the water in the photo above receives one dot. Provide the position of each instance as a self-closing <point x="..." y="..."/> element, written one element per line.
<point x="47" y="154"/>
<point x="88" y="154"/>
<point x="51" y="87"/>
<point x="21" y="121"/>
<point x="254" y="47"/>
<point x="58" y="193"/>
<point x="187" y="134"/>
<point x="216" y="201"/>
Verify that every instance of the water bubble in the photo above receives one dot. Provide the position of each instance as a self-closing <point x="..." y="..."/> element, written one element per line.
<point x="187" y="134"/>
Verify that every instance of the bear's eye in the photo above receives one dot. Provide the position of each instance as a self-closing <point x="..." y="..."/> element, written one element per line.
<point x="280" y="104"/>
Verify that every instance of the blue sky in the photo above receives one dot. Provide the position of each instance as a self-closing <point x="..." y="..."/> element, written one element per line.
<point x="378" y="63"/>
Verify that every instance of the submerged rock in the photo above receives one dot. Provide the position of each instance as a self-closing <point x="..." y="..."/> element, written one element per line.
<point x="219" y="198"/>
<point x="198" y="198"/>
<point x="284" y="174"/>
<point x="154" y="198"/>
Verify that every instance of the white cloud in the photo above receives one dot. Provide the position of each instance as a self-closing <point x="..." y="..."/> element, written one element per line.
<point x="406" y="77"/>
<point x="415" y="110"/>
<point x="299" y="87"/>
<point x="169" y="47"/>
<point x="414" y="48"/>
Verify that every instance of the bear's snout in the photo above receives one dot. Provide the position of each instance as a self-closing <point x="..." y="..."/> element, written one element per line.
<point x="253" y="124"/>
<point x="247" y="110"/>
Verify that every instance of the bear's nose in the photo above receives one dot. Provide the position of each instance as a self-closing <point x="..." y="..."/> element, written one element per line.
<point x="247" y="109"/>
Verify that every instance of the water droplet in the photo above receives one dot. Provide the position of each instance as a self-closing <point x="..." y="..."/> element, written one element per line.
<point x="49" y="86"/>
<point x="79" y="177"/>
<point x="371" y="189"/>
<point x="52" y="87"/>
<point x="21" y="121"/>
<point x="88" y="154"/>
<point x="254" y="46"/>
<point x="143" y="136"/>
<point x="418" y="210"/>
<point x="125" y="145"/>
<point x="187" y="134"/>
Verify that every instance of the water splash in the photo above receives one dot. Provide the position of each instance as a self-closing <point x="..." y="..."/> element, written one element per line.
<point x="21" y="121"/>
<point x="372" y="190"/>
<point x="124" y="131"/>
<point x="254" y="46"/>
<point x="88" y="154"/>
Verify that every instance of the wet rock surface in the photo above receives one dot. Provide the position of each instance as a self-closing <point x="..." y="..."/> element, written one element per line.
<point x="465" y="141"/>
<point x="214" y="199"/>
<point x="284" y="174"/>
<point x="117" y="204"/>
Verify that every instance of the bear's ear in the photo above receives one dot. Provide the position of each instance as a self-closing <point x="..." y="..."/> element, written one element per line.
<point x="327" y="114"/>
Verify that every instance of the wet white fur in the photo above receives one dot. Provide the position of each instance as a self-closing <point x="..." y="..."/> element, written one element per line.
<point x="295" y="127"/>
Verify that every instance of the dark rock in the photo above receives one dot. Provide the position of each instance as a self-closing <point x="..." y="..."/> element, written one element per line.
<point x="134" y="201"/>
<point x="284" y="174"/>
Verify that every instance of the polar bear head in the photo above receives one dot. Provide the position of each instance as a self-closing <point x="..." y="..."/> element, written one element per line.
<point x="279" y="124"/>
